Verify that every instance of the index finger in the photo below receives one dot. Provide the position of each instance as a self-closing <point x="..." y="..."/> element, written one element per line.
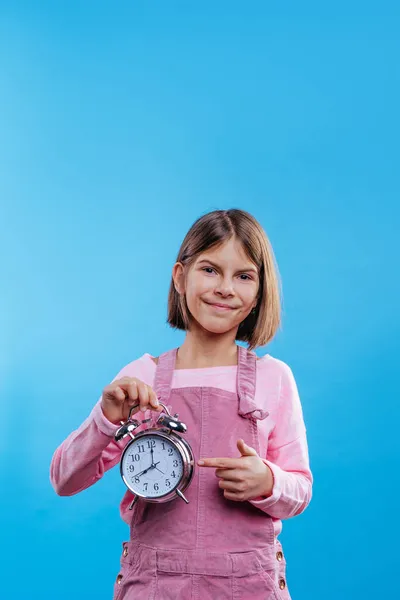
<point x="220" y="463"/>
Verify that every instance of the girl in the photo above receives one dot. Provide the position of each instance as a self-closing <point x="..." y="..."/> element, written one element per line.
<point x="244" y="422"/>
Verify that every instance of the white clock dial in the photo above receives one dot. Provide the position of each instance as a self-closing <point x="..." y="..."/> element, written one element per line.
<point x="152" y="466"/>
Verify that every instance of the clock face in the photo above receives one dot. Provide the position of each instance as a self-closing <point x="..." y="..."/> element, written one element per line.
<point x="152" y="466"/>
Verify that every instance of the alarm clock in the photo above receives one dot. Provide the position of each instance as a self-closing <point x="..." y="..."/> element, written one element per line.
<point x="157" y="464"/>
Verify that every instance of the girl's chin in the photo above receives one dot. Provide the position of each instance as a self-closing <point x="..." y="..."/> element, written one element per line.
<point x="213" y="327"/>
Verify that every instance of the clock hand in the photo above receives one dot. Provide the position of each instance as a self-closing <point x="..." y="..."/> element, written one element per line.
<point x="152" y="466"/>
<point x="142" y="472"/>
<point x="145" y="471"/>
<point x="155" y="467"/>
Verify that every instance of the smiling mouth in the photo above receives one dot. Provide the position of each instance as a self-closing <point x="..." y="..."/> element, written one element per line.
<point x="218" y="306"/>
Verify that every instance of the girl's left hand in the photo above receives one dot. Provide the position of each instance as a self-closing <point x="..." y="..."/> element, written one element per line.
<point x="244" y="478"/>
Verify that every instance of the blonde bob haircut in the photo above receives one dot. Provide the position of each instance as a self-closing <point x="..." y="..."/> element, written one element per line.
<point x="212" y="230"/>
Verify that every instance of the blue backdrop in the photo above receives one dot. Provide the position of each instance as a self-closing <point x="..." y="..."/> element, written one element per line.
<point x="121" y="123"/>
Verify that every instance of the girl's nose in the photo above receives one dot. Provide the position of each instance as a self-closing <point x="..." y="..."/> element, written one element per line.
<point x="225" y="288"/>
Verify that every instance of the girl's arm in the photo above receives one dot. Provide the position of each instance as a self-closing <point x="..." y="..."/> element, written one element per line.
<point x="85" y="455"/>
<point x="287" y="456"/>
<point x="88" y="452"/>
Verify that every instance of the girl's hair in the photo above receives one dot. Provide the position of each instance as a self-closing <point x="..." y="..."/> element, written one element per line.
<point x="213" y="229"/>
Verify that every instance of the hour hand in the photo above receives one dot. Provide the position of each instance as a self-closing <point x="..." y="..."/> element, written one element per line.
<point x="143" y="472"/>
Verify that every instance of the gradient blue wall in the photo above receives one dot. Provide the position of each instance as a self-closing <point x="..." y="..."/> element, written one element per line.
<point x="120" y="124"/>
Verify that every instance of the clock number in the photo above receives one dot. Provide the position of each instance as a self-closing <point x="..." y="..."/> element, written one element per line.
<point x="135" y="457"/>
<point x="156" y="487"/>
<point x="173" y="474"/>
<point x="137" y="480"/>
<point x="163" y="445"/>
<point x="145" y="486"/>
<point x="168" y="483"/>
<point x="131" y="468"/>
<point x="170" y="451"/>
<point x="141" y="448"/>
<point x="175" y="463"/>
<point x="151" y="443"/>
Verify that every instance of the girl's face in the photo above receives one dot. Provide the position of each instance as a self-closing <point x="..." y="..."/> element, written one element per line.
<point x="221" y="287"/>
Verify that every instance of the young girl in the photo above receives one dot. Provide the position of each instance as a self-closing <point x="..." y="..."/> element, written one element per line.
<point x="244" y="423"/>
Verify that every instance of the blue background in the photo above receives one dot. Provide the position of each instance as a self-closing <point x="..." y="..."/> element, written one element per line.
<point x="121" y="123"/>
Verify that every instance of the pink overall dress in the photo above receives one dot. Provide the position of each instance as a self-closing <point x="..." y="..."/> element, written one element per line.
<point x="211" y="548"/>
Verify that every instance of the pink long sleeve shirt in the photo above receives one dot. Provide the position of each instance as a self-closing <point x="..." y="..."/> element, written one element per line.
<point x="88" y="452"/>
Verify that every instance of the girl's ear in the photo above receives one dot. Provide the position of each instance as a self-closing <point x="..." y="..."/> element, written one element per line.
<point x="178" y="276"/>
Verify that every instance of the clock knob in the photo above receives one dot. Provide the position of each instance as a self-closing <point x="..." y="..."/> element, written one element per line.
<point x="126" y="429"/>
<point x="172" y="423"/>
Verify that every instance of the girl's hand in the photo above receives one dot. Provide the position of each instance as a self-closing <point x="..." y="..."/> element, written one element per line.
<point x="119" y="397"/>
<point x="243" y="478"/>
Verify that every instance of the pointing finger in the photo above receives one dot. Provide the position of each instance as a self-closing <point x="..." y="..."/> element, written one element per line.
<point x="220" y="463"/>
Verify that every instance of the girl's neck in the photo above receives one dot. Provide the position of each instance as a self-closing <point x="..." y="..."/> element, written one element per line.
<point x="202" y="351"/>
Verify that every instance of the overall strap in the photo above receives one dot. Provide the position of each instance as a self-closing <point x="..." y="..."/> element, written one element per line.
<point x="164" y="373"/>
<point x="246" y="385"/>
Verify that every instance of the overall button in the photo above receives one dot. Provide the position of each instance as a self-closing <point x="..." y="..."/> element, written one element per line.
<point x="125" y="552"/>
<point x="282" y="584"/>
<point x="279" y="556"/>
<point x="119" y="579"/>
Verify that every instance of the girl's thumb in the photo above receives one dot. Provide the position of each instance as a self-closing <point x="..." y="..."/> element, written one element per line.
<point x="245" y="450"/>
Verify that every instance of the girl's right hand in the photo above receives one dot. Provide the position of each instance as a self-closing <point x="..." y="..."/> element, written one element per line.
<point x="119" y="397"/>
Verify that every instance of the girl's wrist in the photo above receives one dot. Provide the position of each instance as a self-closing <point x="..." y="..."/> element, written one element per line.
<point x="269" y="488"/>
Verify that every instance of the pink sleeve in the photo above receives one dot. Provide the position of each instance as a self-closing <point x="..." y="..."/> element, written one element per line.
<point x="287" y="456"/>
<point x="88" y="452"/>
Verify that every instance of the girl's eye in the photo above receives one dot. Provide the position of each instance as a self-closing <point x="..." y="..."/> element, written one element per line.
<point x="247" y="277"/>
<point x="208" y="269"/>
